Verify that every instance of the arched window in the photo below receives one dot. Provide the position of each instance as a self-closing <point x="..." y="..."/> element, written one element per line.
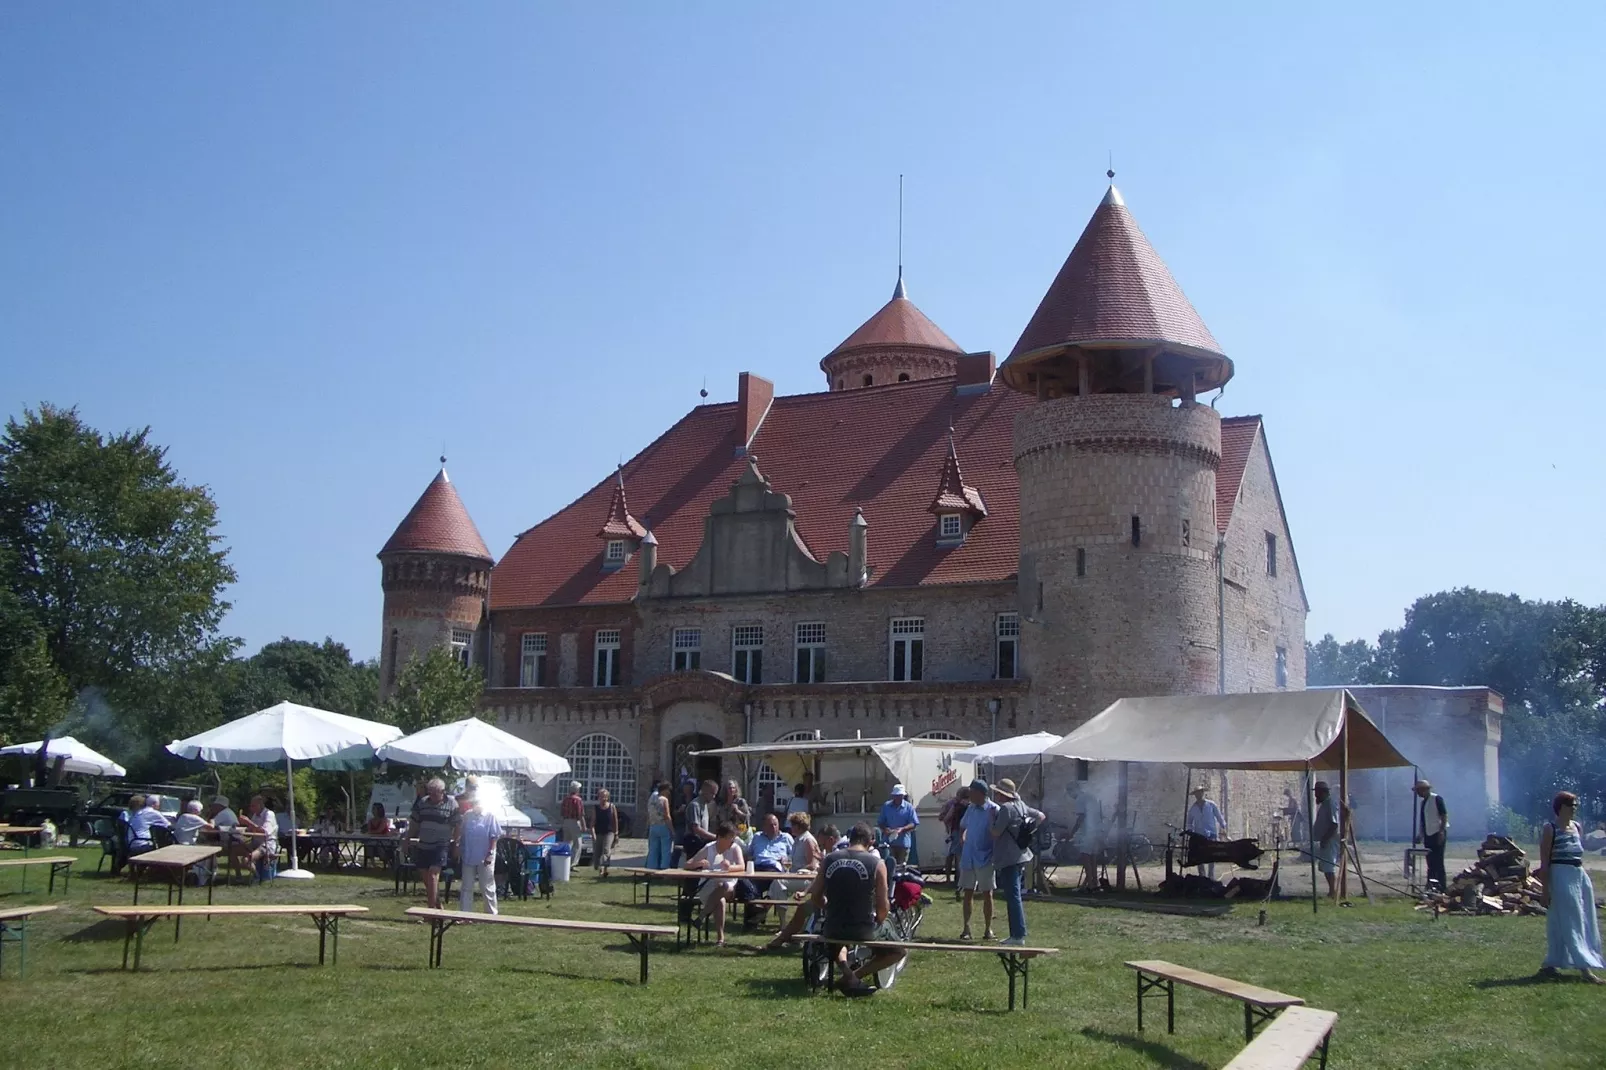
<point x="869" y="380"/>
<point x="600" y="761"/>
<point x="938" y="735"/>
<point x="903" y="377"/>
<point x="769" y="778"/>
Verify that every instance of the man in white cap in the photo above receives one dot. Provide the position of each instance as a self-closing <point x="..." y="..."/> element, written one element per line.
<point x="897" y="823"/>
<point x="573" y="813"/>
<point x="1205" y="821"/>
<point x="1435" y="828"/>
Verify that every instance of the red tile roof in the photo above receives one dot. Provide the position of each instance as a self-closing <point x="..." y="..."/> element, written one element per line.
<point x="1114" y="288"/>
<point x="620" y="524"/>
<point x="1237" y="439"/>
<point x="876" y="448"/>
<point x="897" y="323"/>
<point x="954" y="495"/>
<point x="438" y="524"/>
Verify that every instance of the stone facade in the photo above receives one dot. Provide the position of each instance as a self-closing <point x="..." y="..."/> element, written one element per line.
<point x="887" y="364"/>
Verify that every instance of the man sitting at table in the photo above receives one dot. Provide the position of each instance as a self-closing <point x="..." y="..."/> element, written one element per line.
<point x="771" y="852"/>
<point x="189" y="824"/>
<point x="143" y="815"/>
<point x="851" y="889"/>
<point x="260" y="820"/>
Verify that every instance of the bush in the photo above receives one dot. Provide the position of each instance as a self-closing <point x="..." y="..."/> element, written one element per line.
<point x="1504" y="821"/>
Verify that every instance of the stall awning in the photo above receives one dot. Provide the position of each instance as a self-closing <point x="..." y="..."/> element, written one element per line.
<point x="927" y="766"/>
<point x="1016" y="750"/>
<point x="1279" y="730"/>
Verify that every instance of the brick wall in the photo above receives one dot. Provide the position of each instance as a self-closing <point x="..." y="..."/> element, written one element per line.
<point x="426" y="597"/>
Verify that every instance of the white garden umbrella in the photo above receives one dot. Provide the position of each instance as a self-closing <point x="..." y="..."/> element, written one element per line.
<point x="472" y="746"/>
<point x="289" y="733"/>
<point x="80" y="759"/>
<point x="1016" y="750"/>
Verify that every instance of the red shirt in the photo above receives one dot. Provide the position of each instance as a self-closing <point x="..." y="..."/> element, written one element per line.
<point x="574" y="808"/>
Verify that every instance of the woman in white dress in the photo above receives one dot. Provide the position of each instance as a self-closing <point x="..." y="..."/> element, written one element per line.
<point x="1572" y="932"/>
<point x="722" y="856"/>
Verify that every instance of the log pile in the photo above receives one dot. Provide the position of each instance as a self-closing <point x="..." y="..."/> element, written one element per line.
<point x="1497" y="883"/>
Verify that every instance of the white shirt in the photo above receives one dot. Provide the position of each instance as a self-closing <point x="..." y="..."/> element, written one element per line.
<point x="1432" y="823"/>
<point x="1204" y="819"/>
<point x="797" y="805"/>
<point x="185" y="826"/>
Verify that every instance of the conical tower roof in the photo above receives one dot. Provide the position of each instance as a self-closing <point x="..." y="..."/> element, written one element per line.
<point x="1115" y="293"/>
<point x="897" y="323"/>
<point x="438" y="524"/>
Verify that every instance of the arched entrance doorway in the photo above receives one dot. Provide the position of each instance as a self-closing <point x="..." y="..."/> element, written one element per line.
<point x="682" y="764"/>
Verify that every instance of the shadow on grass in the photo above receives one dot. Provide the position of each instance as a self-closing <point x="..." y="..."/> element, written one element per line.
<point x="787" y="988"/>
<point x="1159" y="1053"/>
<point x="104" y="931"/>
<point x="149" y="967"/>
<point x="1214" y="908"/>
<point x="630" y="982"/>
<point x="1524" y="981"/>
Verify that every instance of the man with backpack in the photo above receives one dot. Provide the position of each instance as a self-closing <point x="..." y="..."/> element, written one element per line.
<point x="1014" y="826"/>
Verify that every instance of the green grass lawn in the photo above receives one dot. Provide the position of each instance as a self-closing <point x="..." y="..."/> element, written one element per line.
<point x="1411" y="992"/>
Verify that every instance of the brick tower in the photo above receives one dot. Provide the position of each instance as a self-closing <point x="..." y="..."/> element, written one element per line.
<point x="435" y="571"/>
<point x="1117" y="467"/>
<point x="898" y="344"/>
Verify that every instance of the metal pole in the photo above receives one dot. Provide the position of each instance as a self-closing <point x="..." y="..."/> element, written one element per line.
<point x="1343" y="806"/>
<point x="295" y="869"/>
<point x="1310" y="828"/>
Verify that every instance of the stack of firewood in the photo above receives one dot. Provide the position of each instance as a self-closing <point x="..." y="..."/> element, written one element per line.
<point x="1497" y="883"/>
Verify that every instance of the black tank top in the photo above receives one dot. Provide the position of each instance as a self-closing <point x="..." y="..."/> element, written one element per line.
<point x="850" y="894"/>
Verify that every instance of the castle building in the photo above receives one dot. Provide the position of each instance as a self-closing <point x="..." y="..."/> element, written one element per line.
<point x="933" y="546"/>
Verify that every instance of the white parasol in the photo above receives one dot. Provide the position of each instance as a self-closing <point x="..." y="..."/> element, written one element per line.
<point x="472" y="746"/>
<point x="80" y="759"/>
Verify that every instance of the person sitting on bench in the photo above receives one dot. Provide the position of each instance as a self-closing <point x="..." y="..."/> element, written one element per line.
<point x="723" y="856"/>
<point x="143" y="815"/>
<point x="826" y="841"/>
<point x="851" y="889"/>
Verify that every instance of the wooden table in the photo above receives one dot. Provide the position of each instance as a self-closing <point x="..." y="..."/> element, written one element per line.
<point x="640" y="936"/>
<point x="136" y="920"/>
<point x="1260" y="1004"/>
<point x="15" y="920"/>
<point x="61" y="864"/>
<point x="21" y="830"/>
<point x="174" y="861"/>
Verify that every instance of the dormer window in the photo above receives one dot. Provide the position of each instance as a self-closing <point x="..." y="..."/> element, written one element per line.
<point x="950" y="526"/>
<point x="615" y="553"/>
<point x="958" y="506"/>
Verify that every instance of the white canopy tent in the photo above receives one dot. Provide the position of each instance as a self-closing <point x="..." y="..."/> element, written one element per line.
<point x="472" y="746"/>
<point x="1288" y="731"/>
<point x="289" y="732"/>
<point x="1015" y="750"/>
<point x="80" y="758"/>
<point x="929" y="768"/>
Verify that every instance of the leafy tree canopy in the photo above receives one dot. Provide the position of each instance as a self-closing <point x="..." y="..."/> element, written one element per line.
<point x="431" y="690"/>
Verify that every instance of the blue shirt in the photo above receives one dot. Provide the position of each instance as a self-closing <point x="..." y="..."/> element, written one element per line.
<point x="480" y="832"/>
<point x="778" y="850"/>
<point x="895" y="815"/>
<point x="139" y="825"/>
<point x="977" y="825"/>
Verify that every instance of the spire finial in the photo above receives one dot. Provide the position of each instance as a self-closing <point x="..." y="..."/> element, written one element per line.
<point x="898" y="290"/>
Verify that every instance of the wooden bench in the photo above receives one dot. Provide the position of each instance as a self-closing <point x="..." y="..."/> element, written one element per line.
<point x="138" y="920"/>
<point x="61" y="864"/>
<point x="1016" y="960"/>
<point x="640" y="936"/>
<point x="1260" y="1004"/>
<point x="1297" y="1034"/>
<point x="14" y="930"/>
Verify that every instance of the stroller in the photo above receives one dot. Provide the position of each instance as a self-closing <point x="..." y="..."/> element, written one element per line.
<point x="908" y="902"/>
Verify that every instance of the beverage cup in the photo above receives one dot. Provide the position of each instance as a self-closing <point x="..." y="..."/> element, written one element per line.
<point x="749" y="866"/>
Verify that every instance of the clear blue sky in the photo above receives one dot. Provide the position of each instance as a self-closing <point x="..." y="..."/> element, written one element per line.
<point x="308" y="244"/>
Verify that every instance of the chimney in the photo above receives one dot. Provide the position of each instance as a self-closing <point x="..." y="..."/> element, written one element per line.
<point x="753" y="396"/>
<point x="975" y="372"/>
<point x="649" y="559"/>
<point x="857" y="547"/>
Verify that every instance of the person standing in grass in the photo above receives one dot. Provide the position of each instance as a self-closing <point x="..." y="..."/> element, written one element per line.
<point x="434" y="825"/>
<point x="604" y="830"/>
<point x="1435" y="828"/>
<point x="1324" y="828"/>
<point x="477" y="833"/>
<point x="897" y="823"/>
<point x="573" y="813"/>
<point x="976" y="856"/>
<point x="1204" y="821"/>
<point x="1010" y="858"/>
<point x="660" y="831"/>
<point x="1572" y="931"/>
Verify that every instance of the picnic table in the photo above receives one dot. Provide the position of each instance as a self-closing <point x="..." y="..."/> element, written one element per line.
<point x="349" y="848"/>
<point x="136" y="920"/>
<point x="21" y="830"/>
<point x="174" y="863"/>
<point x="14" y="930"/>
<point x="61" y="864"/>
<point x="640" y="936"/>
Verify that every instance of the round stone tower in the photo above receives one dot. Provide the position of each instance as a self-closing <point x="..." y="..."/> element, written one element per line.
<point x="1117" y="467"/>
<point x="436" y="572"/>
<point x="898" y="344"/>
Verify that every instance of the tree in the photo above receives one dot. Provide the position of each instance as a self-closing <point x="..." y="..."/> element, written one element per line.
<point x="115" y="563"/>
<point x="431" y="690"/>
<point x="34" y="699"/>
<point x="1329" y="663"/>
<point x="313" y="674"/>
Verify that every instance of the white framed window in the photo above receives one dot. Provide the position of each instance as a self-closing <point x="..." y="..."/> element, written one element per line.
<point x="939" y="734"/>
<point x="950" y="526"/>
<point x="747" y="653"/>
<point x="614" y="552"/>
<point x="769" y="778"/>
<point x="532" y="659"/>
<point x="607" y="658"/>
<point x="907" y="654"/>
<point x="463" y="647"/>
<point x="600" y="761"/>
<point x="810" y="652"/>
<point x="1006" y="659"/>
<point x="1282" y="666"/>
<point x="686" y="650"/>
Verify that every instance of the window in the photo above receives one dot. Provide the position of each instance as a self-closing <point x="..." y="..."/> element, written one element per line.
<point x="781" y="790"/>
<point x="1008" y="630"/>
<point x="532" y="660"/>
<point x="1282" y="666"/>
<point x="950" y="526"/>
<point x="1271" y="554"/>
<point x="600" y="761"/>
<point x="687" y="654"/>
<point x="463" y="647"/>
<point x="607" y="647"/>
<point x="1187" y="534"/>
<point x="869" y="380"/>
<point x="615" y="552"/>
<point x="1039" y="596"/>
<point x="395" y="641"/>
<point x="1084" y="769"/>
<point x="903" y="377"/>
<point x="1081" y="566"/>
<point x="908" y="655"/>
<point x="940" y="734"/>
<point x="1137" y="532"/>
<point x="810" y="653"/>
<point x="747" y="653"/>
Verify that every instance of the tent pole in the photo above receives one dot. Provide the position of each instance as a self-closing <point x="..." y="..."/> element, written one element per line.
<point x="295" y="869"/>
<point x="1343" y="805"/>
<point x="1123" y="842"/>
<point x="1310" y="828"/>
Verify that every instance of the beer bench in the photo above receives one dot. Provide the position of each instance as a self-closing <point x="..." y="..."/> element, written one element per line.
<point x="1016" y="960"/>
<point x="61" y="864"/>
<point x="640" y="936"/>
<point x="137" y="921"/>
<point x="1295" y="1035"/>
<point x="1260" y="1004"/>
<point x="14" y="930"/>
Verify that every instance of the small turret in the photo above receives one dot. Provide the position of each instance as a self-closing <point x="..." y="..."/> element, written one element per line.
<point x="858" y="548"/>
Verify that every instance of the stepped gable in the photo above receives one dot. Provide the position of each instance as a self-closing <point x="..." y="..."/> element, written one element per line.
<point x="438" y="524"/>
<point x="831" y="452"/>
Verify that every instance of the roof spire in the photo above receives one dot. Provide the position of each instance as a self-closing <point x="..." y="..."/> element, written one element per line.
<point x="898" y="291"/>
<point x="438" y="524"/>
<point x="954" y="495"/>
<point x="619" y="523"/>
